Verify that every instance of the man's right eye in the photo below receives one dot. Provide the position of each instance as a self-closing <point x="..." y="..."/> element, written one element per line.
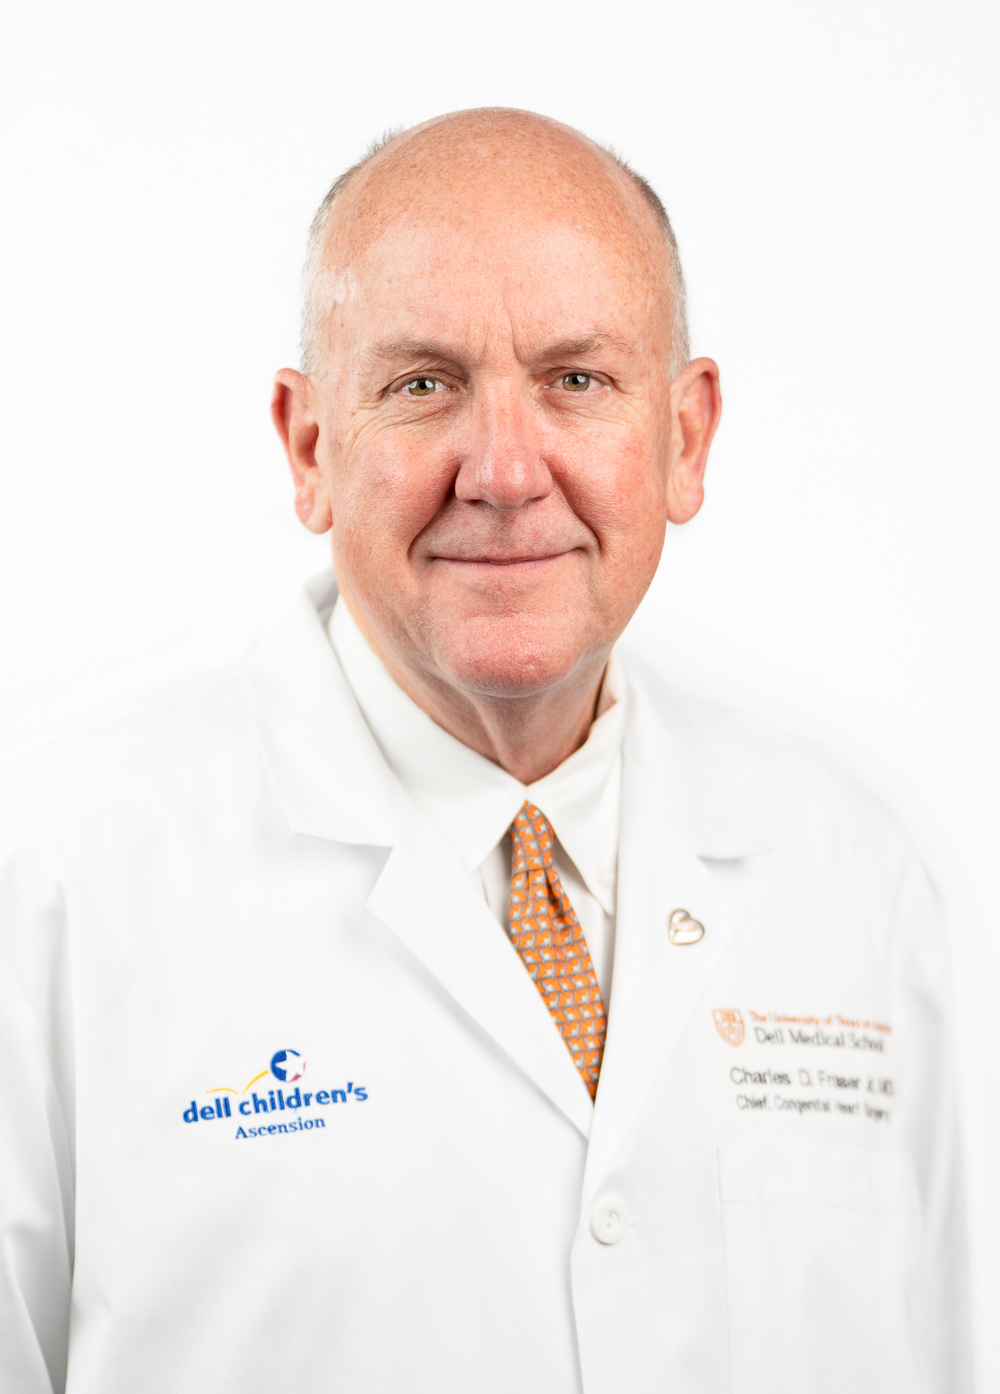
<point x="421" y="387"/>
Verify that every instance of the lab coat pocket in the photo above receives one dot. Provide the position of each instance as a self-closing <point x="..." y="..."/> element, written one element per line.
<point x="819" y="1247"/>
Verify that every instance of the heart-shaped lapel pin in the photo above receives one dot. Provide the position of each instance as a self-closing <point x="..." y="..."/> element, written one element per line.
<point x="683" y="929"/>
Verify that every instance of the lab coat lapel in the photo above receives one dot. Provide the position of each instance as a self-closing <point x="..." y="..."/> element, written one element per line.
<point x="668" y="839"/>
<point x="425" y="896"/>
<point x="332" y="782"/>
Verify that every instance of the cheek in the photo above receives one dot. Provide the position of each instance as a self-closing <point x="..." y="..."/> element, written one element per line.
<point x="385" y="492"/>
<point x="640" y="529"/>
<point x="618" y="488"/>
<point x="629" y="508"/>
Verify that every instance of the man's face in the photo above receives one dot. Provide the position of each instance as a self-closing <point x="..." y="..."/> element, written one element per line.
<point x="494" y="437"/>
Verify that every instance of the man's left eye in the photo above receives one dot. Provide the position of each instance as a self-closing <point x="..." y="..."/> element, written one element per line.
<point x="421" y="387"/>
<point x="576" y="382"/>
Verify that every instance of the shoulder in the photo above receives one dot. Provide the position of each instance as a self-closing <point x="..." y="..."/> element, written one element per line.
<point x="791" y="789"/>
<point x="126" y="759"/>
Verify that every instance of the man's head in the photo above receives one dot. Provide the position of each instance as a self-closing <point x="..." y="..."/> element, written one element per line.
<point x="495" y="422"/>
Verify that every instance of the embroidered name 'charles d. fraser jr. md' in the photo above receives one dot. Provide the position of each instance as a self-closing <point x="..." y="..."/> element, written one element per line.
<point x="287" y="1067"/>
<point x="826" y="1065"/>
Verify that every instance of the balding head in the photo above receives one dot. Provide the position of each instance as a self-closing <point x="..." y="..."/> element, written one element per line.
<point x="496" y="425"/>
<point x="487" y="164"/>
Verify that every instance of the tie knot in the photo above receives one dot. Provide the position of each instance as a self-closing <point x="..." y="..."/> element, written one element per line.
<point x="532" y="836"/>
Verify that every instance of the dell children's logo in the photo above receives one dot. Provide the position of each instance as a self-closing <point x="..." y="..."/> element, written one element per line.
<point x="287" y="1067"/>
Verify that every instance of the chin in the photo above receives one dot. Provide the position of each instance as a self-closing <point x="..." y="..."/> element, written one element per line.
<point x="516" y="655"/>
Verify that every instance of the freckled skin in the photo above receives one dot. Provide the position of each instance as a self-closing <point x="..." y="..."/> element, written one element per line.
<point x="495" y="442"/>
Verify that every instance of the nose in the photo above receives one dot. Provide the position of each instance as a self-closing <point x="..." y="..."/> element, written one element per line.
<point x="503" y="464"/>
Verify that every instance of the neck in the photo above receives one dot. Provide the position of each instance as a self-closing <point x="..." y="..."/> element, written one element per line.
<point x="527" y="735"/>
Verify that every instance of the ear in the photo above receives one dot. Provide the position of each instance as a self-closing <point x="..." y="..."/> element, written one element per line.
<point x="696" y="406"/>
<point x="294" y="417"/>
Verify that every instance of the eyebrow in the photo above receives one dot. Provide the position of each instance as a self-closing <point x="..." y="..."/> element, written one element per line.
<point x="573" y="348"/>
<point x="413" y="348"/>
<point x="562" y="348"/>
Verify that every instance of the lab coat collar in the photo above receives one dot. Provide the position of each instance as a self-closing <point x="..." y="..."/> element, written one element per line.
<point x="685" y="776"/>
<point x="317" y="744"/>
<point x="329" y="774"/>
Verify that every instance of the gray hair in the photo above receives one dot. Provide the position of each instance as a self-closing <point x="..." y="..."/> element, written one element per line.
<point x="316" y="293"/>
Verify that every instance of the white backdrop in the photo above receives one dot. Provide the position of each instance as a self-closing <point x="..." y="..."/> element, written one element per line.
<point x="829" y="171"/>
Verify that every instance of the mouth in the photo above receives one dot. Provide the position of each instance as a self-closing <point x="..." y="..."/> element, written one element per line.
<point x="519" y="563"/>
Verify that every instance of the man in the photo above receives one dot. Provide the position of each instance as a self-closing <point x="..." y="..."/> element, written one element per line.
<point x="432" y="1003"/>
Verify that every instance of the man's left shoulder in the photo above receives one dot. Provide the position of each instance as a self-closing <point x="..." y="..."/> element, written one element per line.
<point x="791" y="790"/>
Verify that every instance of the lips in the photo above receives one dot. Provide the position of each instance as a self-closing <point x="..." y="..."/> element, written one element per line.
<point x="503" y="561"/>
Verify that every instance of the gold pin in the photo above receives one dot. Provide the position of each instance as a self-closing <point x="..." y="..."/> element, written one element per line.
<point x="683" y="929"/>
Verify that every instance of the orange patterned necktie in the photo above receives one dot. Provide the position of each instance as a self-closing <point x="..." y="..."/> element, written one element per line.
<point x="546" y="933"/>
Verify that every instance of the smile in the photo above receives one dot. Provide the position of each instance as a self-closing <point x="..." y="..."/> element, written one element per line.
<point x="520" y="562"/>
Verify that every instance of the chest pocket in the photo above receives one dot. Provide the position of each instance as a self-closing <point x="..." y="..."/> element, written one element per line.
<point x="820" y="1244"/>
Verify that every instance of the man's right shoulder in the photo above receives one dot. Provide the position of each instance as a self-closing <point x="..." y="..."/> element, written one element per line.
<point x="148" y="751"/>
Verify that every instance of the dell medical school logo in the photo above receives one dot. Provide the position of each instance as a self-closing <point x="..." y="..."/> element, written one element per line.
<point x="256" y="1099"/>
<point x="729" y="1025"/>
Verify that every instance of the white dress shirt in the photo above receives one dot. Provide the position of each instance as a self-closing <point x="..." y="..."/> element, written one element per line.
<point x="472" y="802"/>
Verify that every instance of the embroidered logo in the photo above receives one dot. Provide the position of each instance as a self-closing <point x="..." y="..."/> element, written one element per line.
<point x="287" y="1067"/>
<point x="729" y="1025"/>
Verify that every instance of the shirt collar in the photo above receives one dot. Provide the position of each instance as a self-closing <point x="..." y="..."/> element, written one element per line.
<point x="470" y="800"/>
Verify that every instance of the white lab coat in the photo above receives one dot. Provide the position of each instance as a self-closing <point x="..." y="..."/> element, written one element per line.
<point x="211" y="879"/>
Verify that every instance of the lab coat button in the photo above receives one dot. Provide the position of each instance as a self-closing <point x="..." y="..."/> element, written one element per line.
<point x="683" y="929"/>
<point x="609" y="1220"/>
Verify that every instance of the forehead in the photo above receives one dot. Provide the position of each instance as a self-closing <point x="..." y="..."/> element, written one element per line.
<point x="471" y="277"/>
<point x="478" y="234"/>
